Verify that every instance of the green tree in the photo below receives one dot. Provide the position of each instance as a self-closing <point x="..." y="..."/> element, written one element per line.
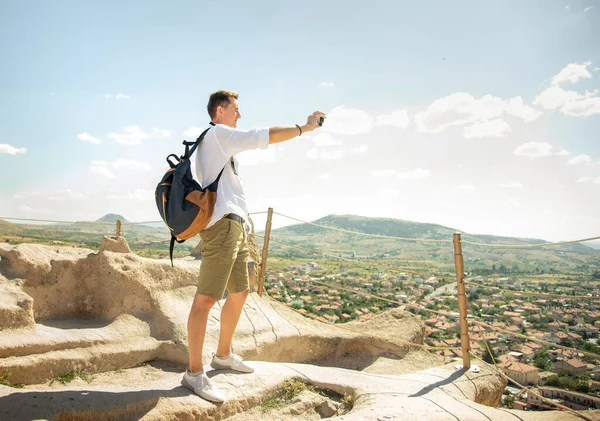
<point x="541" y="360"/>
<point x="488" y="358"/>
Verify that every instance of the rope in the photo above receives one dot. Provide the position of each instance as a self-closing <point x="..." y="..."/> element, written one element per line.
<point x="358" y="262"/>
<point x="524" y="388"/>
<point x="526" y="246"/>
<point x="369" y="295"/>
<point x="535" y="294"/>
<point x="57" y="221"/>
<point x="428" y="347"/>
<point x="365" y="234"/>
<point x="140" y="223"/>
<point x="257" y="213"/>
<point x="529" y="338"/>
<point x="314" y="317"/>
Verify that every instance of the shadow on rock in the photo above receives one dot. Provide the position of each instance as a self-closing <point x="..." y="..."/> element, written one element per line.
<point x="83" y="405"/>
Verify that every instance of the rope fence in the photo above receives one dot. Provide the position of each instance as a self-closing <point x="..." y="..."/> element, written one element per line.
<point x="536" y="294"/>
<point x="461" y="282"/>
<point x="357" y="262"/>
<point x="363" y="233"/>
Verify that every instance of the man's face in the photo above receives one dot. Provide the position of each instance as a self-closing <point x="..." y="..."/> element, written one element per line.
<point x="231" y="113"/>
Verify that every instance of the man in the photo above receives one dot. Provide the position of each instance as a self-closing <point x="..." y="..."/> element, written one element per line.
<point x="224" y="245"/>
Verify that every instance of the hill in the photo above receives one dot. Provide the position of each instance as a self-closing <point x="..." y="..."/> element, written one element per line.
<point x="7" y="228"/>
<point x="112" y="217"/>
<point x="564" y="259"/>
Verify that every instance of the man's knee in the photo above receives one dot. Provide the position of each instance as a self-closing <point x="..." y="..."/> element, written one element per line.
<point x="241" y="295"/>
<point x="202" y="303"/>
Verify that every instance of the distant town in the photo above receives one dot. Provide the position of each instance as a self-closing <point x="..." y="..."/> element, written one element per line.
<point x="568" y="377"/>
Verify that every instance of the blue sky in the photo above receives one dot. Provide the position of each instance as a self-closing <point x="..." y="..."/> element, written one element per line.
<point x="448" y="112"/>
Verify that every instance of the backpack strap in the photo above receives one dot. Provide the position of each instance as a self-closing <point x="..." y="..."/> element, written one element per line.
<point x="173" y="239"/>
<point x="189" y="152"/>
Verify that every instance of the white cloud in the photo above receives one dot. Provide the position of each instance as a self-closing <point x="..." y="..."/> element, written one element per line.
<point x="587" y="9"/>
<point x="121" y="95"/>
<point x="582" y="108"/>
<point x="583" y="179"/>
<point x="193" y="132"/>
<point x="67" y="194"/>
<point x="415" y="174"/>
<point x="256" y="156"/>
<point x="466" y="188"/>
<point x="156" y="132"/>
<point x="101" y="168"/>
<point x="330" y="156"/>
<point x="572" y="72"/>
<point x="398" y="118"/>
<point x="326" y="85"/>
<point x="386" y="194"/>
<point x="383" y="173"/>
<point x="512" y="203"/>
<point x="86" y="137"/>
<point x="28" y="210"/>
<point x="568" y="6"/>
<point x="533" y="149"/>
<point x="360" y="149"/>
<point x="555" y="97"/>
<point x="133" y="135"/>
<point x="570" y="102"/>
<point x="130" y="164"/>
<point x="138" y="194"/>
<point x="462" y="108"/>
<point x="23" y="195"/>
<point x="324" y="139"/>
<point x="597" y="180"/>
<point x="324" y="176"/>
<point x="107" y="96"/>
<point x="343" y="120"/>
<point x="512" y="185"/>
<point x="312" y="154"/>
<point x="104" y="168"/>
<point x="563" y="152"/>
<point x="489" y="128"/>
<point x="11" y="150"/>
<point x="581" y="159"/>
<point x="517" y="108"/>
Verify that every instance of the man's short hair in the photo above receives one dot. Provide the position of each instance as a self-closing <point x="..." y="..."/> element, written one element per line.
<point x="219" y="98"/>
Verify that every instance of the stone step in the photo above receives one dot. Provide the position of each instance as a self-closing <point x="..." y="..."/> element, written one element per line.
<point x="40" y="368"/>
<point x="33" y="357"/>
<point x="66" y="334"/>
<point x="138" y="394"/>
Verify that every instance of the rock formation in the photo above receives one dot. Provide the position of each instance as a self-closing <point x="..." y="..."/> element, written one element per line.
<point x="104" y="315"/>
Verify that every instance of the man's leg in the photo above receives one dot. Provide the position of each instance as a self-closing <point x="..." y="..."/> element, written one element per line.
<point x="196" y="326"/>
<point x="230" y="315"/>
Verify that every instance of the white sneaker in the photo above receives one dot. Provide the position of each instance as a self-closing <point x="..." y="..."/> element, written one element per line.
<point x="232" y="362"/>
<point x="202" y="386"/>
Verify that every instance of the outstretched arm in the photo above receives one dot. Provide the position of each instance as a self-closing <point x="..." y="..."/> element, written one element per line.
<point x="281" y="134"/>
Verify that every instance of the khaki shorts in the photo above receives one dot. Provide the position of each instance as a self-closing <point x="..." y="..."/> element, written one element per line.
<point x="224" y="259"/>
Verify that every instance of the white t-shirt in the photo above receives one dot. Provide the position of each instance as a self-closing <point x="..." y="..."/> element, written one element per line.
<point x="221" y="143"/>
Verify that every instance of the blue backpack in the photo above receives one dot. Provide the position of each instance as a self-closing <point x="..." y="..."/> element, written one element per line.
<point x="184" y="206"/>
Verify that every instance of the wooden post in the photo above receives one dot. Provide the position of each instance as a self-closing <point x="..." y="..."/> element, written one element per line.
<point x="462" y="302"/>
<point x="265" y="253"/>
<point x="118" y="228"/>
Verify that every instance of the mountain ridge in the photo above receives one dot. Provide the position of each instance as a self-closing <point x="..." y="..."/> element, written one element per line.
<point x="393" y="227"/>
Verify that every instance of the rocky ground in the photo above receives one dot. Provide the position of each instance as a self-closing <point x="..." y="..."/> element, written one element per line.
<point x="102" y="336"/>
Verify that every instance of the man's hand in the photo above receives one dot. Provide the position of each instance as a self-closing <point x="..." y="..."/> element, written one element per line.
<point x="281" y="134"/>
<point x="312" y="120"/>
